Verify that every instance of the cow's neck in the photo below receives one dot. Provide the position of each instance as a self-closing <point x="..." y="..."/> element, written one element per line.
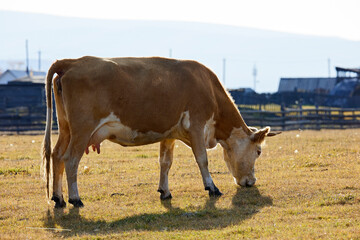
<point x="229" y="118"/>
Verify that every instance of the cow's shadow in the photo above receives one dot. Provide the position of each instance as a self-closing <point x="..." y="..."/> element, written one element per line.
<point x="245" y="203"/>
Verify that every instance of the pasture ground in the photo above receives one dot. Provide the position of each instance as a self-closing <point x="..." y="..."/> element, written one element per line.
<point x="308" y="188"/>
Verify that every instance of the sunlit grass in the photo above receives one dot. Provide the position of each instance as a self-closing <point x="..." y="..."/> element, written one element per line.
<point x="308" y="188"/>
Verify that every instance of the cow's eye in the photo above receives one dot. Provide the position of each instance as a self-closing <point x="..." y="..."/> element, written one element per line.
<point x="259" y="152"/>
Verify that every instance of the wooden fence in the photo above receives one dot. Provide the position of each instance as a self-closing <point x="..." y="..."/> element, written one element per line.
<point x="291" y="119"/>
<point x="32" y="119"/>
<point x="23" y="110"/>
<point x="23" y="119"/>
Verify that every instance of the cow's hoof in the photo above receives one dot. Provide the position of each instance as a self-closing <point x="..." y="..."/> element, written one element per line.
<point x="215" y="193"/>
<point x="76" y="202"/>
<point x="162" y="195"/>
<point x="58" y="203"/>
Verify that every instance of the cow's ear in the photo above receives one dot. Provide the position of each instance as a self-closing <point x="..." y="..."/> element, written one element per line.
<point x="271" y="134"/>
<point x="253" y="129"/>
<point x="259" y="136"/>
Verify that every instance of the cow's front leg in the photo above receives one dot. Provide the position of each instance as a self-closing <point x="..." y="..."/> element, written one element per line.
<point x="199" y="150"/>
<point x="165" y="159"/>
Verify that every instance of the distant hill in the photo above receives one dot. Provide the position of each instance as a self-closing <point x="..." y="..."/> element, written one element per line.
<point x="275" y="54"/>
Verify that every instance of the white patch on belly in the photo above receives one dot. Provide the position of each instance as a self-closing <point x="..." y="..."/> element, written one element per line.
<point x="209" y="133"/>
<point x="110" y="118"/>
<point x="111" y="128"/>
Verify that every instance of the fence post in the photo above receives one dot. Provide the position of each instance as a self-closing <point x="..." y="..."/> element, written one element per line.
<point x="283" y="116"/>
<point x="317" y="117"/>
<point x="301" y="114"/>
<point x="342" y="118"/>
<point x="17" y="121"/>
<point x="353" y="115"/>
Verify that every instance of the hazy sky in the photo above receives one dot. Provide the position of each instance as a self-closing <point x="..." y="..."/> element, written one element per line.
<point x="338" y="18"/>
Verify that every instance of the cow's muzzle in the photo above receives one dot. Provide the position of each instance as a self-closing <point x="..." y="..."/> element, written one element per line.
<point x="246" y="181"/>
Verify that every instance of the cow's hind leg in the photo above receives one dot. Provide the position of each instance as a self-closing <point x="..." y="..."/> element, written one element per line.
<point x="72" y="159"/>
<point x="58" y="169"/>
<point x="199" y="150"/>
<point x="60" y="147"/>
<point x="165" y="159"/>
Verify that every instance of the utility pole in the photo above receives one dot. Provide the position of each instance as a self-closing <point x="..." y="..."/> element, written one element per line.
<point x="170" y="53"/>
<point x="27" y="57"/>
<point x="254" y="75"/>
<point x="329" y="67"/>
<point x="224" y="72"/>
<point x="39" y="60"/>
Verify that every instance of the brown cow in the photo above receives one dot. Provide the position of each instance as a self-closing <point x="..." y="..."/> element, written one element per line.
<point x="137" y="101"/>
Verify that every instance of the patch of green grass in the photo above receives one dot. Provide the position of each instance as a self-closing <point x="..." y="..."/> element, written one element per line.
<point x="315" y="164"/>
<point x="152" y="155"/>
<point x="339" y="199"/>
<point x="142" y="156"/>
<point x="13" y="171"/>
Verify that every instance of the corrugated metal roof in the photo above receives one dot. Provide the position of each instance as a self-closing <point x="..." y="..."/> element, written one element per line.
<point x="30" y="79"/>
<point x="323" y="85"/>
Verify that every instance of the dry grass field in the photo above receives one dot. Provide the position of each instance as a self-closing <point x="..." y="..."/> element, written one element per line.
<point x="308" y="188"/>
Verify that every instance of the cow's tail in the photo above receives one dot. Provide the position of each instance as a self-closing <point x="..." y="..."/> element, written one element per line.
<point x="59" y="67"/>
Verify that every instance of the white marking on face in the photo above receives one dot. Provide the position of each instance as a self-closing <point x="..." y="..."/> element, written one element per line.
<point x="240" y="154"/>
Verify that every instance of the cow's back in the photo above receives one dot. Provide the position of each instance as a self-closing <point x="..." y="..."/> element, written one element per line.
<point x="147" y="94"/>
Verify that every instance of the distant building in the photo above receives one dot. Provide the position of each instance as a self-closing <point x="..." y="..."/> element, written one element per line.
<point x="18" y="89"/>
<point x="347" y="73"/>
<point x="29" y="79"/>
<point x="243" y="90"/>
<point x="345" y="78"/>
<point x="20" y="75"/>
<point x="348" y="82"/>
<point x="314" y="85"/>
<point x="245" y="96"/>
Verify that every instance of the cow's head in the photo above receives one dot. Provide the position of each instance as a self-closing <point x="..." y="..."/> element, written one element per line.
<point x="241" y="150"/>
